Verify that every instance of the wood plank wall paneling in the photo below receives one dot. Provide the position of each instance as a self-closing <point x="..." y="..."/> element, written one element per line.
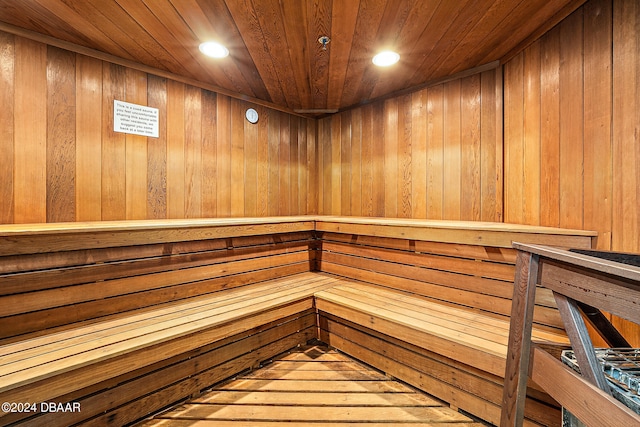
<point x="30" y="131"/>
<point x="435" y="153"/>
<point x="572" y="128"/>
<point x="88" y="194"/>
<point x="571" y="139"/>
<point x="7" y="132"/>
<point x="626" y="126"/>
<point x="62" y="161"/>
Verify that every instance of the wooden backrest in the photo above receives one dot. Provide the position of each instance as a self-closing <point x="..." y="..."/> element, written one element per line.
<point x="454" y="262"/>
<point x="52" y="276"/>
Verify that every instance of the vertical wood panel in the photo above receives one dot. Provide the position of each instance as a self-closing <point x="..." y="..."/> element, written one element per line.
<point x="284" y="150"/>
<point x="391" y="158"/>
<point x="209" y="165"/>
<point x="419" y="154"/>
<point x="294" y="163"/>
<point x="378" y="160"/>
<point x="305" y="168"/>
<point x="367" y="161"/>
<point x="237" y="158"/>
<point x="335" y="187"/>
<point x="88" y="136"/>
<point x="491" y="147"/>
<point x="61" y="138"/>
<point x="531" y="137"/>
<point x="274" y="164"/>
<point x="223" y="155"/>
<point x="113" y="146"/>
<point x="250" y="168"/>
<point x="263" y="166"/>
<point x="572" y="122"/>
<point x="136" y="150"/>
<point x="312" y="172"/>
<point x="7" y="94"/>
<point x="598" y="173"/>
<point x="404" y="156"/>
<point x="356" y="162"/>
<point x="30" y="132"/>
<point x="345" y="163"/>
<point x="549" y="130"/>
<point x="514" y="146"/>
<point x="626" y="125"/>
<point x="435" y="152"/>
<point x="157" y="151"/>
<point x="324" y="155"/>
<point x="470" y="149"/>
<point x="452" y="190"/>
<point x="175" y="150"/>
<point x="193" y="152"/>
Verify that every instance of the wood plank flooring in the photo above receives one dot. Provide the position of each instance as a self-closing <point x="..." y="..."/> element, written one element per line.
<point x="315" y="386"/>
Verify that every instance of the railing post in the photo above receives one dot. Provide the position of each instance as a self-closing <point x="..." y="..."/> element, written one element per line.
<point x="519" y="351"/>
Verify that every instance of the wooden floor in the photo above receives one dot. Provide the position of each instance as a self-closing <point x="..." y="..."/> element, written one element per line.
<point x="313" y="386"/>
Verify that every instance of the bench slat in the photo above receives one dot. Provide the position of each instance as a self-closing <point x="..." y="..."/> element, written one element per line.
<point x="216" y="304"/>
<point x="136" y="265"/>
<point x="457" y="323"/>
<point x="435" y="339"/>
<point x="62" y="296"/>
<point x="149" y="336"/>
<point x="455" y="264"/>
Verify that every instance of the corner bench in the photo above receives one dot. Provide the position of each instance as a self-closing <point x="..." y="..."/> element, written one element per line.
<point x="125" y="318"/>
<point x="429" y="302"/>
<point x="119" y="319"/>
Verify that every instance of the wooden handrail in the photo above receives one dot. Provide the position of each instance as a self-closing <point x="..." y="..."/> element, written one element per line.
<point x="577" y="281"/>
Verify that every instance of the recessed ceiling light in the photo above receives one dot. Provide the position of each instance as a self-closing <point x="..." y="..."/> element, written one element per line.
<point x="386" y="58"/>
<point x="214" y="49"/>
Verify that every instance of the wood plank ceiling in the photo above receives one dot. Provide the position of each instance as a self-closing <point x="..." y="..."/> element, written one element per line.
<point x="275" y="55"/>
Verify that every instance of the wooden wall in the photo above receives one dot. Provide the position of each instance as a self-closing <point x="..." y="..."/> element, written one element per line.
<point x="572" y="128"/>
<point x="61" y="161"/>
<point x="435" y="153"/>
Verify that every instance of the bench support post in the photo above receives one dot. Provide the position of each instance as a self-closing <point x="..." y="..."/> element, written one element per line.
<point x="519" y="353"/>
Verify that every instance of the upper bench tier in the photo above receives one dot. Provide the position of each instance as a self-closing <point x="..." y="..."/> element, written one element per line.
<point x="17" y="239"/>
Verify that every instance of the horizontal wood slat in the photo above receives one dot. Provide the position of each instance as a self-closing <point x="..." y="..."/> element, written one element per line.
<point x="465" y="232"/>
<point x="40" y="238"/>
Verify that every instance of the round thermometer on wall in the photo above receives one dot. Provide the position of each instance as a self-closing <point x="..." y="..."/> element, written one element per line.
<point x="251" y="115"/>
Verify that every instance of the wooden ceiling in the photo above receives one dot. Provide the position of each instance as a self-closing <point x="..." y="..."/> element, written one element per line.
<point x="275" y="55"/>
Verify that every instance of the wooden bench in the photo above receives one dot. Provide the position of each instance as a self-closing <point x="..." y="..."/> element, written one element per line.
<point x="429" y="302"/>
<point x="125" y="318"/>
<point x="121" y="319"/>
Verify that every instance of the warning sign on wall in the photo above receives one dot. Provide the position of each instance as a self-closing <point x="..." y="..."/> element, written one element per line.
<point x="135" y="119"/>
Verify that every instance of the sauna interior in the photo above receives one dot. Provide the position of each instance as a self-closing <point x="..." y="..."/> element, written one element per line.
<point x="293" y="235"/>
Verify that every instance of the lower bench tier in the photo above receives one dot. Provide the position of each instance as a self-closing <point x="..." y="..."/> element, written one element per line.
<point x="134" y="395"/>
<point x="462" y="386"/>
<point x="407" y="337"/>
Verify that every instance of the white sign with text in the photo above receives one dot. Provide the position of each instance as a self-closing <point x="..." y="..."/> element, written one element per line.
<point x="135" y="119"/>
